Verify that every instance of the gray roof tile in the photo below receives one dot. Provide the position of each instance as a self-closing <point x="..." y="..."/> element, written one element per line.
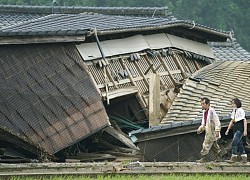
<point x="229" y="51"/>
<point x="7" y="19"/>
<point x="229" y="74"/>
<point x="72" y="23"/>
<point x="44" y="100"/>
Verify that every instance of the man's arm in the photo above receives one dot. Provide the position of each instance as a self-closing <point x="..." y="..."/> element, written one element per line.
<point x="200" y="129"/>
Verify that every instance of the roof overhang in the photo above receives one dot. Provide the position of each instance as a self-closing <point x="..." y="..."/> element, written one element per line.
<point x="39" y="39"/>
<point x="156" y="132"/>
<point x="182" y="28"/>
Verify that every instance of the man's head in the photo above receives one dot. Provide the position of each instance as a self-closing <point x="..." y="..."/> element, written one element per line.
<point x="236" y="103"/>
<point x="205" y="103"/>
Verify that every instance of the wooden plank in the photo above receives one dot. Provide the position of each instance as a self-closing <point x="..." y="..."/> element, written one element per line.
<point x="120" y="92"/>
<point x="116" y="134"/>
<point x="137" y="95"/>
<point x="167" y="69"/>
<point x="151" y="66"/>
<point x="128" y="71"/>
<point x="90" y="157"/>
<point x="108" y="73"/>
<point x="141" y="73"/>
<point x="179" y="65"/>
<point x="197" y="66"/>
<point x="124" y="81"/>
<point x="118" y="148"/>
<point x="187" y="65"/>
<point x="154" y="100"/>
<point x="39" y="39"/>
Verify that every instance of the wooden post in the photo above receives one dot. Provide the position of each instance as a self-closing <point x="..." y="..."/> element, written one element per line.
<point x="179" y="65"/>
<point x="154" y="99"/>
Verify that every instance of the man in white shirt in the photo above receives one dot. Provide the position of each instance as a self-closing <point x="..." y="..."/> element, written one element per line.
<point x="211" y="125"/>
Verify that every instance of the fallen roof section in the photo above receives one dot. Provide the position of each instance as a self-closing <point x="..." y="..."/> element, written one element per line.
<point x="220" y="82"/>
<point x="47" y="97"/>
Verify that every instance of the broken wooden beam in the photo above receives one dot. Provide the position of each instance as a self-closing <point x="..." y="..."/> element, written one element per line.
<point x="116" y="134"/>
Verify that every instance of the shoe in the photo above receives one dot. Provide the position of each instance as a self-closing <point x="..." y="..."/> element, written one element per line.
<point x="243" y="158"/>
<point x="218" y="157"/>
<point x="233" y="159"/>
<point x="201" y="160"/>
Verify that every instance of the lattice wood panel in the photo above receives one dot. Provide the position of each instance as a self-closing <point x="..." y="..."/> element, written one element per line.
<point x="142" y="86"/>
<point x="132" y="68"/>
<point x="171" y="64"/>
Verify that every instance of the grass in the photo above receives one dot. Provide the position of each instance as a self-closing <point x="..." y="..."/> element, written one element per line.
<point x="141" y="177"/>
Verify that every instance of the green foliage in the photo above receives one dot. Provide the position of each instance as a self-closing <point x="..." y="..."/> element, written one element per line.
<point x="220" y="14"/>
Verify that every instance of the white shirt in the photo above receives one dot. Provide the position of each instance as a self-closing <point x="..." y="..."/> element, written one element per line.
<point x="238" y="114"/>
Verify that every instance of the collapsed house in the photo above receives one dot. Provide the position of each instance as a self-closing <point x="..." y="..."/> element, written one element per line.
<point x="66" y="76"/>
<point x="221" y="81"/>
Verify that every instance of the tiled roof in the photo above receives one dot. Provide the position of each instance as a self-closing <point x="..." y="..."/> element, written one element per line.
<point x="220" y="82"/>
<point x="166" y="127"/>
<point x="131" y="11"/>
<point x="76" y="24"/>
<point x="229" y="51"/>
<point x="47" y="97"/>
<point x="7" y="19"/>
<point x="13" y="14"/>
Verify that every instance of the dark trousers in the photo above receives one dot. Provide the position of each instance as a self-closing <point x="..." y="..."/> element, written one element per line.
<point x="237" y="143"/>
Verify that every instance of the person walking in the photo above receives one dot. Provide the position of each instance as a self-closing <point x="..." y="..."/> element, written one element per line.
<point x="211" y="125"/>
<point x="239" y="124"/>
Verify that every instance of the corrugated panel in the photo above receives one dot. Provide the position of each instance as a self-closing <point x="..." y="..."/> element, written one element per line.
<point x="192" y="46"/>
<point x="90" y="51"/>
<point x="158" y="41"/>
<point x="53" y="102"/>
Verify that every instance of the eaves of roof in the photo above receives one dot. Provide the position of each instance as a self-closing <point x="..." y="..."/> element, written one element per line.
<point x="79" y="24"/>
<point x="173" y="129"/>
